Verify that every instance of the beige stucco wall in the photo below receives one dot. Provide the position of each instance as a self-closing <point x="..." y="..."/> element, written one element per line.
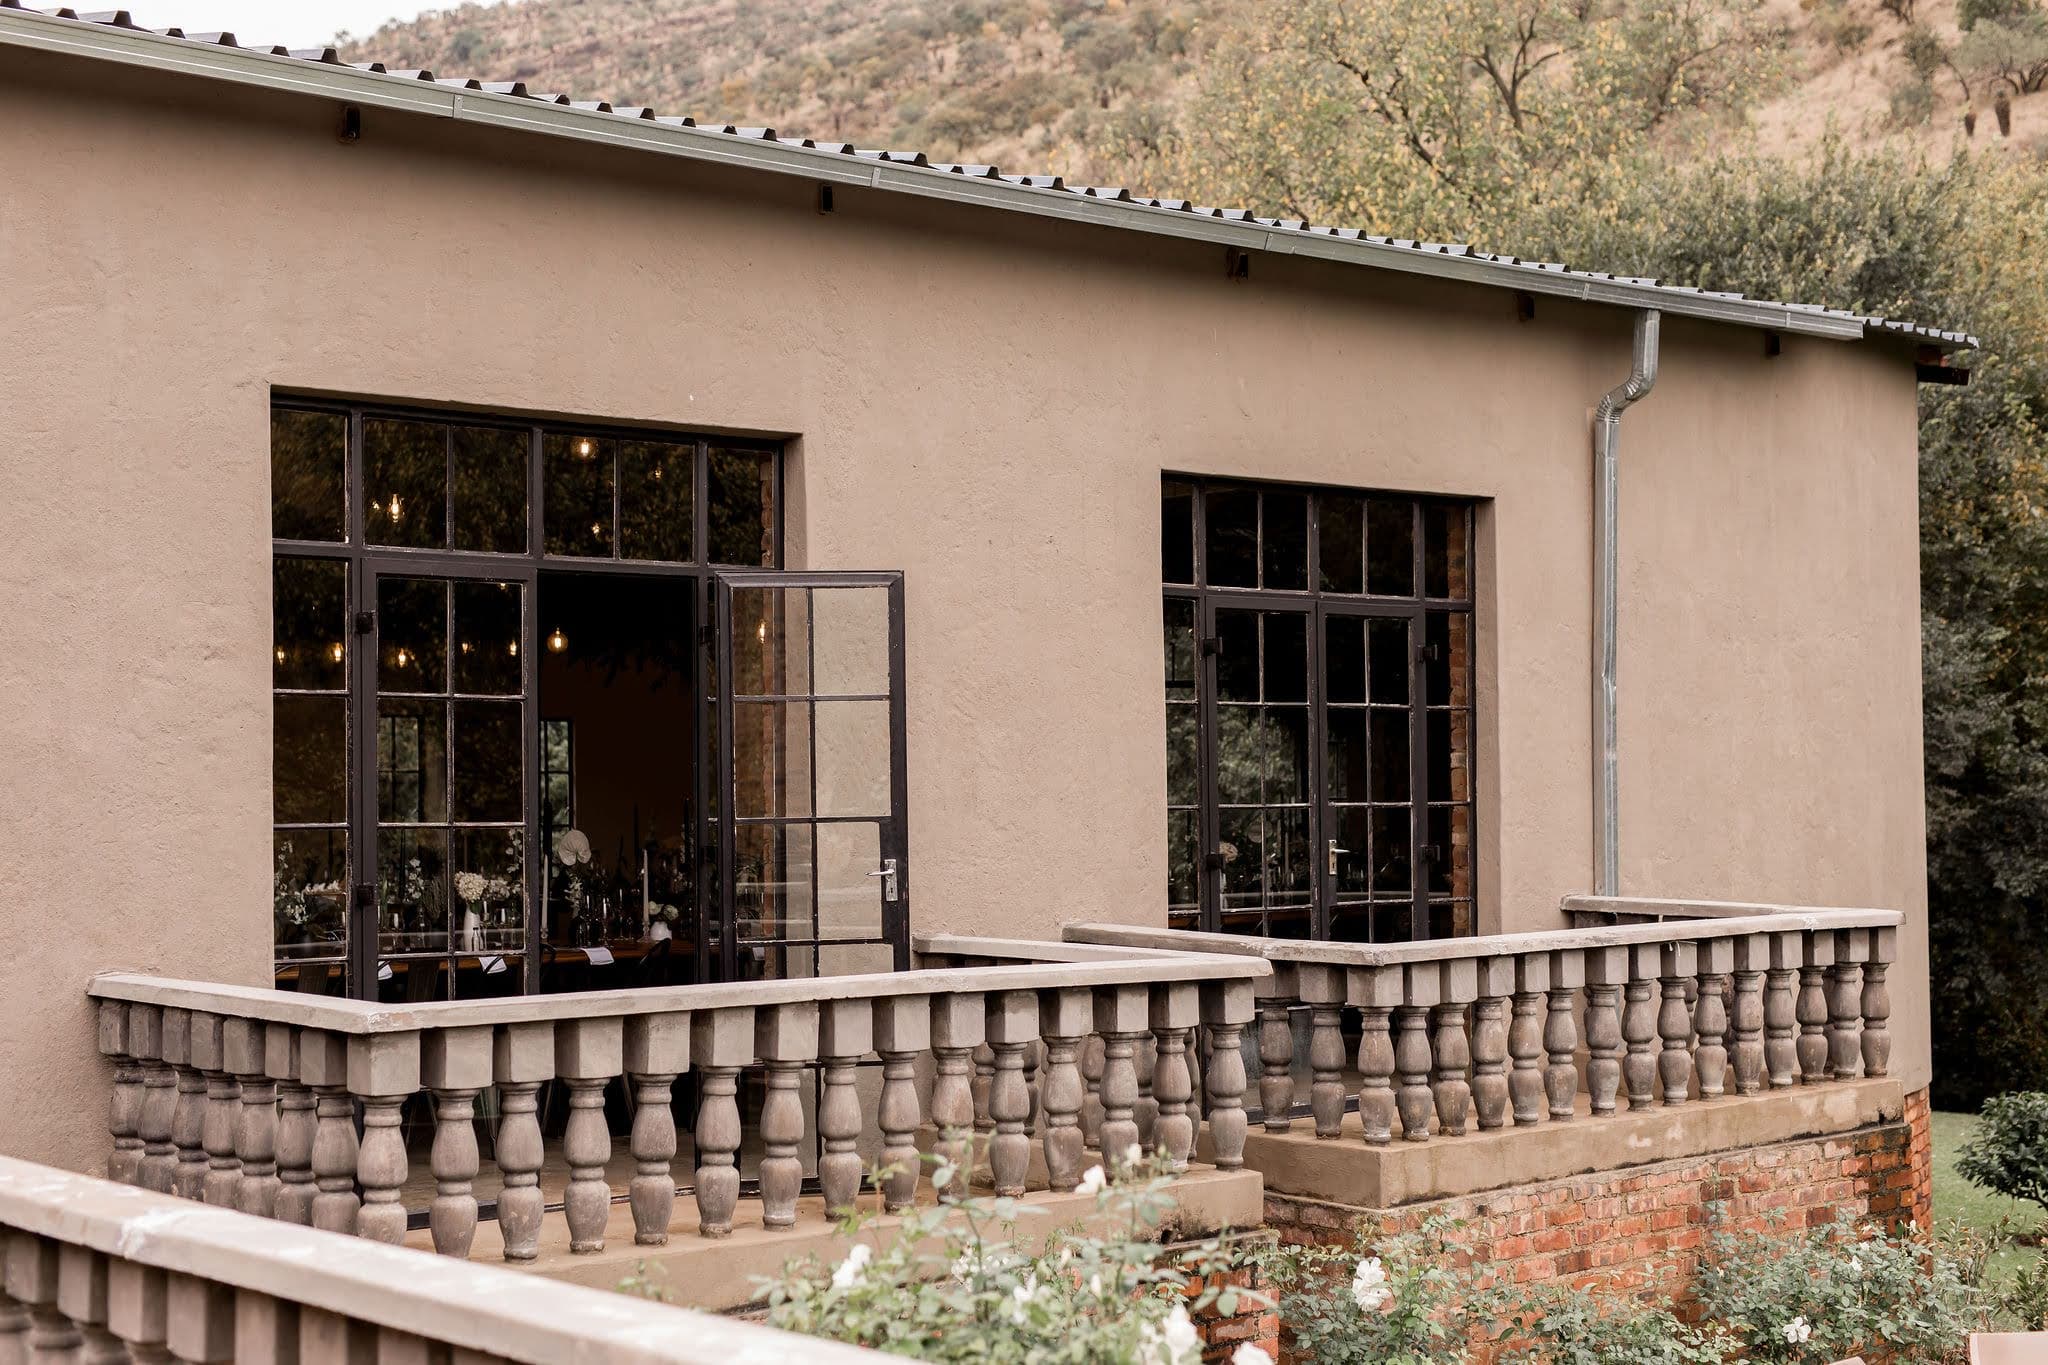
<point x="982" y="402"/>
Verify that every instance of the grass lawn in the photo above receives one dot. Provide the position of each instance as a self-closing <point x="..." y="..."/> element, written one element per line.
<point x="1956" y="1199"/>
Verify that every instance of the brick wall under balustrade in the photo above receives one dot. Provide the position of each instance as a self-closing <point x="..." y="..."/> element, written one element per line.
<point x="1625" y="1228"/>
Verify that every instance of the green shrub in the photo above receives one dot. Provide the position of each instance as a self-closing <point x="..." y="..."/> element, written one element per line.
<point x="1968" y="12"/>
<point x="1409" y="1299"/>
<point x="2009" y="1153"/>
<point x="1558" y="1325"/>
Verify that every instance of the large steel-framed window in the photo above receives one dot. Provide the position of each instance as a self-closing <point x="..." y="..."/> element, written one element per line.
<point x="1318" y="648"/>
<point x="371" y="501"/>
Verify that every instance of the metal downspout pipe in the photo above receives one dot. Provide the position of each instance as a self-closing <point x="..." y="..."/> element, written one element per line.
<point x="1606" y="571"/>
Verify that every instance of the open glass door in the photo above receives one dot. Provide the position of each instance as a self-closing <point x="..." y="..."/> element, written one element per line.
<point x="814" y="870"/>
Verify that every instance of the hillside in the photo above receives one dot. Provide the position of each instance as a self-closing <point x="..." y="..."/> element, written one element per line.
<point x="1031" y="83"/>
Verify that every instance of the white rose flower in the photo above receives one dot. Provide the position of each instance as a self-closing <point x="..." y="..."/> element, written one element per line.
<point x="1092" y="1181"/>
<point x="1133" y="1154"/>
<point x="854" y="1268"/>
<point x="1249" y="1354"/>
<point x="469" y="886"/>
<point x="1798" y="1331"/>
<point x="1369" y="1285"/>
<point x="1183" y="1343"/>
<point x="1855" y="1265"/>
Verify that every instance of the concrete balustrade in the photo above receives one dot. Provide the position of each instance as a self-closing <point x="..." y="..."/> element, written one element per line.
<point x="1641" y="1001"/>
<point x="300" y="1108"/>
<point x="92" y="1270"/>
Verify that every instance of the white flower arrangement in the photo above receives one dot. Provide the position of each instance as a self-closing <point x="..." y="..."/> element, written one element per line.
<point x="471" y="886"/>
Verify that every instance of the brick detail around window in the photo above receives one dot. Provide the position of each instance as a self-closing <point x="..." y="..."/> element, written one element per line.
<point x="1646" y="1224"/>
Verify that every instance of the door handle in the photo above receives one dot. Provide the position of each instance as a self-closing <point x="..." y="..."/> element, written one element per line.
<point x="1334" y="851"/>
<point x="887" y="872"/>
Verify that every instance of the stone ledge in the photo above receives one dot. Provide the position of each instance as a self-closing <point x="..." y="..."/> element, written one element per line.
<point x="718" y="1275"/>
<point x="1345" y="1170"/>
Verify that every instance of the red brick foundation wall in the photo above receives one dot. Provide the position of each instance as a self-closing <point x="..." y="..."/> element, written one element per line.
<point x="1255" y="1322"/>
<point x="1644" y="1224"/>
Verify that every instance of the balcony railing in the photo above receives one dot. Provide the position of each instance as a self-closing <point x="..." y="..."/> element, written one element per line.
<point x="99" y="1271"/>
<point x="248" y="1098"/>
<point x="1687" y="1001"/>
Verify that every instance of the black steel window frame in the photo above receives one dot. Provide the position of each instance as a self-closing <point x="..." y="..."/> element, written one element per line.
<point x="1318" y="606"/>
<point x="497" y="566"/>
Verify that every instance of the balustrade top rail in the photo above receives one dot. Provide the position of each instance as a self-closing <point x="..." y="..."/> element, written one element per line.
<point x="1730" y="921"/>
<point x="103" y="1262"/>
<point x="1087" y="967"/>
<point x="1665" y="908"/>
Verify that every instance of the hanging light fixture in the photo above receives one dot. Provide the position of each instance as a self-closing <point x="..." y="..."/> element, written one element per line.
<point x="335" y="652"/>
<point x="280" y="656"/>
<point x="557" y="642"/>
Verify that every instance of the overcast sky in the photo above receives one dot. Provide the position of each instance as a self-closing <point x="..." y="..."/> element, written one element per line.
<point x="295" y="23"/>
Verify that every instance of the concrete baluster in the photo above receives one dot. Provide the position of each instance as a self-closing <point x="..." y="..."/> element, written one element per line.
<point x="1122" y="1017"/>
<point x="1845" y="1006"/>
<point x="200" y="1321"/>
<point x="1448" y="1084"/>
<point x="267" y="1331"/>
<point x="1321" y="988"/>
<point x="223" y="1109"/>
<point x="1639" y="1026"/>
<point x="1877" y="1003"/>
<point x="1781" y="1010"/>
<point x="383" y="1073"/>
<point x="1091" y="1080"/>
<point x="1145" y="1111"/>
<point x="1377" y="992"/>
<point x="138" y="1311"/>
<point x="30" y="1270"/>
<point x="1421" y="991"/>
<point x="1606" y="978"/>
<point x="1066" y="1017"/>
<point x="296" y="1124"/>
<point x="323" y="1066"/>
<point x="1561" y="1033"/>
<point x="1175" y="1009"/>
<point x="785" y="1041"/>
<point x="455" y="1065"/>
<point x="656" y="1050"/>
<point x="522" y="1060"/>
<point x="1227" y="1007"/>
<point x="1716" y="957"/>
<point x="903" y="1031"/>
<point x="1012" y="1023"/>
<point x="1676" y="967"/>
<point x="1813" y="1046"/>
<point x="1525" y="1037"/>
<point x="721" y="1046"/>
<point x="124" y="1109"/>
<point x="1752" y="960"/>
<point x="984" y="1080"/>
<point x="846" y="1033"/>
<point x="247" y="1042"/>
<point x="82" y="1275"/>
<point x="159" y="1098"/>
<point x="959" y="1025"/>
<point x="1276" y="1047"/>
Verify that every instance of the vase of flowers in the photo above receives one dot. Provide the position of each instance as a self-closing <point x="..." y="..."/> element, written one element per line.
<point x="470" y="889"/>
<point x="661" y="920"/>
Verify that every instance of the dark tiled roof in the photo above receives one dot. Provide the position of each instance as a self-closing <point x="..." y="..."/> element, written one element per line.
<point x="1492" y="268"/>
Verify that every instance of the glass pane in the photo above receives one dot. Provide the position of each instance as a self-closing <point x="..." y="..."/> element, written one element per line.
<point x="557" y="770"/>
<point x="772" y="881"/>
<point x="309" y="623"/>
<point x="771" y="643"/>
<point x="414" y="980"/>
<point x="656" y="516"/>
<point x="1341" y="543"/>
<point x="1241" y="833"/>
<point x="1348" y="763"/>
<point x="771" y="757"/>
<point x="1181" y="767"/>
<point x="1237" y="659"/>
<point x="308" y="475"/>
<point x="490" y="489"/>
<point x="1443" y="551"/>
<point x="489" y="782"/>
<point x="852" y="757"/>
<point x="412" y="635"/>
<point x="309" y="759"/>
<point x="1388" y="665"/>
<point x="490" y="898"/>
<point x="1440" y="860"/>
<point x="412" y="890"/>
<point x="1182" y="856"/>
<point x="412" y="761"/>
<point x="1286" y="753"/>
<point x="1446" y="670"/>
<point x="405" y="483"/>
<point x="1286" y="657"/>
<point x="309" y="892"/>
<point x="850" y="641"/>
<point x="1354" y="859"/>
<point x="1286" y="856"/>
<point x="1233" y="534"/>
<point x="1390" y="755"/>
<point x="1392" y="851"/>
<point x="849" y="900"/>
<point x="329" y="978"/>
<point x="1343" y="659"/>
<point x="742" y="507"/>
<point x="1393" y="923"/>
<point x="1180" y="649"/>
<point x="1177" y="533"/>
<point x="1449" y="766"/>
<point x="1238" y="759"/>
<point x="1285" y="549"/>
<point x="490" y="976"/>
<point x="1390" y="547"/>
<point x="487" y="630"/>
<point x="576" y="514"/>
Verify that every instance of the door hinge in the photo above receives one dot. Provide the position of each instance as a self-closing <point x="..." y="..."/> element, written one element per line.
<point x="366" y="622"/>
